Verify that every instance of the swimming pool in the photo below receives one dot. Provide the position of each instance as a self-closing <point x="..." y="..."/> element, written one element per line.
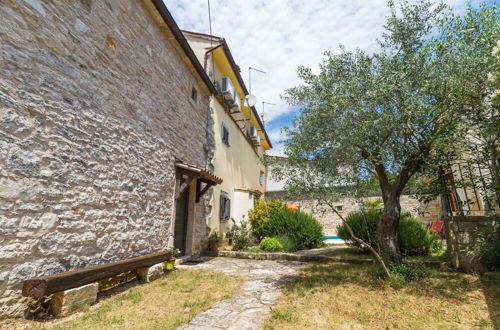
<point x="333" y="237"/>
<point x="334" y="240"/>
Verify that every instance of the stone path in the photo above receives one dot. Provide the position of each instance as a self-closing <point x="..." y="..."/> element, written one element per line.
<point x="250" y="307"/>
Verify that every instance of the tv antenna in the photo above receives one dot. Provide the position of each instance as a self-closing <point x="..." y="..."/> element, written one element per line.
<point x="250" y="77"/>
<point x="263" y="113"/>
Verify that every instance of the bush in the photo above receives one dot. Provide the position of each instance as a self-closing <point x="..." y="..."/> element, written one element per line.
<point x="413" y="237"/>
<point x="254" y="249"/>
<point x="488" y="242"/>
<point x="302" y="229"/>
<point x="364" y="225"/>
<point x="286" y="243"/>
<point x="242" y="238"/>
<point x="261" y="213"/>
<point x="270" y="244"/>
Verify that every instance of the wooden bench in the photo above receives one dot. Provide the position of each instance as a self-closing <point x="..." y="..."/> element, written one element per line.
<point x="45" y="285"/>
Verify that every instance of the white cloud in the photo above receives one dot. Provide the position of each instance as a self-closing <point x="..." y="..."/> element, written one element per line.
<point x="279" y="35"/>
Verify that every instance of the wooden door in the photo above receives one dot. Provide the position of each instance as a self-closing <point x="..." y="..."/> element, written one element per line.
<point x="181" y="219"/>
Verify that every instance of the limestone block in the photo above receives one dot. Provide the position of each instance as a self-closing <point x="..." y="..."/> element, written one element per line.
<point x="68" y="301"/>
<point x="148" y="274"/>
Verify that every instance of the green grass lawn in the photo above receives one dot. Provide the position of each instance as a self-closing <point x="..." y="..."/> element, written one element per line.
<point x="355" y="253"/>
<point x="169" y="302"/>
<point x="352" y="296"/>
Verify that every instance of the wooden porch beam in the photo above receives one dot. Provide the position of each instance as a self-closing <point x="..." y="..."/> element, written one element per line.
<point x="184" y="184"/>
<point x="201" y="192"/>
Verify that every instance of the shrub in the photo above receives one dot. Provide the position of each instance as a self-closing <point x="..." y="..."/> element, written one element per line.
<point x="414" y="238"/>
<point x="488" y="242"/>
<point x="286" y="243"/>
<point x="261" y="213"/>
<point x="364" y="225"/>
<point x="302" y="229"/>
<point x="270" y="244"/>
<point x="242" y="238"/>
<point x="254" y="249"/>
<point x="214" y="238"/>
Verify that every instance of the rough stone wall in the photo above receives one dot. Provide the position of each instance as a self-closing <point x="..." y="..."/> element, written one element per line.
<point x="461" y="235"/>
<point x="330" y="220"/>
<point x="94" y="108"/>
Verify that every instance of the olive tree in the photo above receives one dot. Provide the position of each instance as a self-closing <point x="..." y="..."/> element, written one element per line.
<point x="387" y="115"/>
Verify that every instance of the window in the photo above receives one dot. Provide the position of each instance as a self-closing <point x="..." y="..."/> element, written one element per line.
<point x="261" y="178"/>
<point x="224" y="206"/>
<point x="225" y="135"/>
<point x="194" y="94"/>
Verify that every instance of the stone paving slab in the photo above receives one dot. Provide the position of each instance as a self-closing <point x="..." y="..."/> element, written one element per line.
<point x="251" y="306"/>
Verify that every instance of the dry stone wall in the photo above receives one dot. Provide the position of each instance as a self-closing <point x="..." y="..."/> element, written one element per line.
<point x="330" y="220"/>
<point x="95" y="107"/>
<point x="462" y="235"/>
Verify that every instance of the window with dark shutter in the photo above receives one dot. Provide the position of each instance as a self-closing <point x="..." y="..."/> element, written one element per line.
<point x="225" y="135"/>
<point x="228" y="209"/>
<point x="222" y="202"/>
<point x="224" y="207"/>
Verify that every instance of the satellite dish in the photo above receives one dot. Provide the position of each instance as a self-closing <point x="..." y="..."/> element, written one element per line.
<point x="250" y="100"/>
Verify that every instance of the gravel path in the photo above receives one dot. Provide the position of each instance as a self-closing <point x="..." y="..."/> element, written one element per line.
<point x="250" y="307"/>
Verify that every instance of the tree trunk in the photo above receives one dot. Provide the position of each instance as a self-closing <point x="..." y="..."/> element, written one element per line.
<point x="388" y="227"/>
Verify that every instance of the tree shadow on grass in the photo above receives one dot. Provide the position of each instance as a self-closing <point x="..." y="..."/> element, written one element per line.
<point x="491" y="288"/>
<point x="446" y="285"/>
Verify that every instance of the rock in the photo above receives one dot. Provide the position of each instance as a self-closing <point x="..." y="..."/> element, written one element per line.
<point x="149" y="274"/>
<point x="65" y="302"/>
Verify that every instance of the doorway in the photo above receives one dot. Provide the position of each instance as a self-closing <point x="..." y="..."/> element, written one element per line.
<point x="181" y="220"/>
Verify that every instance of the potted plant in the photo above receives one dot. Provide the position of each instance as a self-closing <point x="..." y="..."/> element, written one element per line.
<point x="213" y="241"/>
<point x="170" y="263"/>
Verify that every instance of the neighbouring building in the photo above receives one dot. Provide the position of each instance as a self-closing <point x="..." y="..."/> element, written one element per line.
<point x="240" y="137"/>
<point x="105" y="133"/>
<point x="275" y="188"/>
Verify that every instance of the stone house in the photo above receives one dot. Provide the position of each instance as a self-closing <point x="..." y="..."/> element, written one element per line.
<point x="240" y="137"/>
<point x="104" y="138"/>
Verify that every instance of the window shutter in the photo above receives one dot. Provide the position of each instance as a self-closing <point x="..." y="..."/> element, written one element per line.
<point x="221" y="206"/>
<point x="228" y="208"/>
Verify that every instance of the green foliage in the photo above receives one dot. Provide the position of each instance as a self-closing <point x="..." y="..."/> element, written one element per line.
<point x="414" y="238"/>
<point x="242" y="236"/>
<point x="302" y="229"/>
<point x="255" y="249"/>
<point x="406" y="272"/>
<point x="489" y="247"/>
<point x="377" y="204"/>
<point x="270" y="244"/>
<point x="214" y="237"/>
<point x="399" y="110"/>
<point x="287" y="243"/>
<point x="261" y="213"/>
<point x="364" y="225"/>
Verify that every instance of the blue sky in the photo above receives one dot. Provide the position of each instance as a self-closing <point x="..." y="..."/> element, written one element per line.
<point x="277" y="36"/>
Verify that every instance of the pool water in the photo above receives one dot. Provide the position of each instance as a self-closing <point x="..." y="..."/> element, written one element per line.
<point x="334" y="240"/>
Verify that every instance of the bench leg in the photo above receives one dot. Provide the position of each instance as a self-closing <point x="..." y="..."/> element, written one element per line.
<point x="148" y="274"/>
<point x="68" y="301"/>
